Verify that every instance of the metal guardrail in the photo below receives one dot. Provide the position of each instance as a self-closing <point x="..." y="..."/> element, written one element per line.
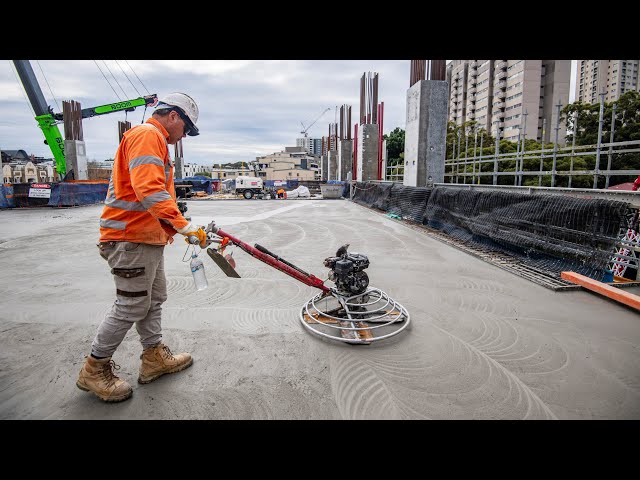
<point x="620" y="195"/>
<point x="469" y="169"/>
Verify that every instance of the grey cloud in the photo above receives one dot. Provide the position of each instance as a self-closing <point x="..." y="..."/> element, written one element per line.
<point x="245" y="106"/>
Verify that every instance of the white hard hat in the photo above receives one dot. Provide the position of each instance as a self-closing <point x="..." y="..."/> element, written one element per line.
<point x="187" y="106"/>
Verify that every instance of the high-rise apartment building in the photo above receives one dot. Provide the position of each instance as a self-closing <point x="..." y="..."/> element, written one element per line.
<point x="613" y="77"/>
<point x="514" y="97"/>
<point x="313" y="146"/>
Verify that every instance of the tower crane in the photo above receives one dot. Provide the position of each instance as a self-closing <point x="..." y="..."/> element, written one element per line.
<point x="306" y="129"/>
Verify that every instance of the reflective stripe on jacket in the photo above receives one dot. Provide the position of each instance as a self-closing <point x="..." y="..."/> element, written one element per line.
<point x="141" y="203"/>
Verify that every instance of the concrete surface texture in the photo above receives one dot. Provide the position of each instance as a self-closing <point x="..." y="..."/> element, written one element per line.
<point x="482" y="343"/>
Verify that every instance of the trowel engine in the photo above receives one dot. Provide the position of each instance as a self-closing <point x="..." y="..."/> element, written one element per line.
<point x="347" y="272"/>
<point x="362" y="314"/>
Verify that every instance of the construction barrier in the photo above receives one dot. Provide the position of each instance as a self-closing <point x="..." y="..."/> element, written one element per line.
<point x="553" y="233"/>
<point x="6" y="196"/>
<point x="61" y="194"/>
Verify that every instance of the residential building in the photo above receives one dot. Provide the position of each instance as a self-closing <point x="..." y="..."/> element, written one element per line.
<point x="20" y="167"/>
<point x="613" y="77"/>
<point x="29" y="172"/>
<point x="512" y="97"/>
<point x="289" y="165"/>
<point x="227" y="173"/>
<point x="313" y="146"/>
<point x="457" y="77"/>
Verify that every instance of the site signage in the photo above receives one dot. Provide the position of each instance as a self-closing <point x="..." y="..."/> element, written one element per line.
<point x="40" y="190"/>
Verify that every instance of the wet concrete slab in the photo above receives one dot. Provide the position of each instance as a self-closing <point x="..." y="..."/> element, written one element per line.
<point x="482" y="344"/>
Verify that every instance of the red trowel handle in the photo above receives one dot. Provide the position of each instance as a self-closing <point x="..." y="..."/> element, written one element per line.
<point x="269" y="258"/>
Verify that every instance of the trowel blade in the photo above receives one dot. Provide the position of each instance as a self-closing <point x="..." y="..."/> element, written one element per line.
<point x="222" y="262"/>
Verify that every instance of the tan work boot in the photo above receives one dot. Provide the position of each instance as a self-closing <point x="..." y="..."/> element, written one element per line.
<point x="158" y="360"/>
<point x="97" y="376"/>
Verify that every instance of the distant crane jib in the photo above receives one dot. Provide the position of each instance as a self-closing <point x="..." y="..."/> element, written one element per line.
<point x="305" y="130"/>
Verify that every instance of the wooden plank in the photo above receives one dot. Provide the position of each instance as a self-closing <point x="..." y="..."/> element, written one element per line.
<point x="363" y="334"/>
<point x="316" y="316"/>
<point x="613" y="293"/>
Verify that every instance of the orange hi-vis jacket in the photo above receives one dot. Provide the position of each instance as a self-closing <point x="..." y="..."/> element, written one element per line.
<point x="141" y="203"/>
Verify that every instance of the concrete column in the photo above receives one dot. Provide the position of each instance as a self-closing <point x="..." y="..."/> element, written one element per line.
<point x="178" y="163"/>
<point x="367" y="152"/>
<point x="384" y="160"/>
<point x="333" y="165"/>
<point x="75" y="155"/>
<point x="325" y="167"/>
<point x="426" y="133"/>
<point x="345" y="162"/>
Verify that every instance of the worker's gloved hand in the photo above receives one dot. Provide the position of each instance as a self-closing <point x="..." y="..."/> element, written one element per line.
<point x="194" y="235"/>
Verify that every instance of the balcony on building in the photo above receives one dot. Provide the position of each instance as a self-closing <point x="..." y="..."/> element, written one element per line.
<point x="502" y="64"/>
<point x="500" y="94"/>
<point x="473" y="64"/>
<point x="501" y="75"/>
<point x="472" y="90"/>
<point x="498" y="104"/>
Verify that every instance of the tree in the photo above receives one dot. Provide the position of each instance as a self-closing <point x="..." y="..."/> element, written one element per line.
<point x="395" y="146"/>
<point x="458" y="132"/>
<point x="627" y="120"/>
<point x="626" y="127"/>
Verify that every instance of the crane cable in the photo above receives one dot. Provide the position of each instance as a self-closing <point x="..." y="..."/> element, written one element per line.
<point x="120" y="86"/>
<point x="47" y="82"/>
<point x="125" y="74"/>
<point x="115" y="79"/>
<point x="106" y="79"/>
<point x="24" y="94"/>
<point x="143" y="85"/>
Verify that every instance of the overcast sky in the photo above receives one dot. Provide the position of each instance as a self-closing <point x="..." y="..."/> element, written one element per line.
<point x="248" y="108"/>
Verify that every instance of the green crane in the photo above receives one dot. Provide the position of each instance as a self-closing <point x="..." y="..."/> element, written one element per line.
<point x="48" y="121"/>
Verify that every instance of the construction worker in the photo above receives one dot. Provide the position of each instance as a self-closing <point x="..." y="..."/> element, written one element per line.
<point x="281" y="193"/>
<point x="141" y="216"/>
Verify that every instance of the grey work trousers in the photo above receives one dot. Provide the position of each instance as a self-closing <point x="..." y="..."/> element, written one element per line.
<point x="141" y="289"/>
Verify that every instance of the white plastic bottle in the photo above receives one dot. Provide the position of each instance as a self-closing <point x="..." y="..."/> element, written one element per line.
<point x="197" y="269"/>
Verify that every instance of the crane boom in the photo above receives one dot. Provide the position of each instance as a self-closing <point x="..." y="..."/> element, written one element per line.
<point x="48" y="121"/>
<point x="306" y="129"/>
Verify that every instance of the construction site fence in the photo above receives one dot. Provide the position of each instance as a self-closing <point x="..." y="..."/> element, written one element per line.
<point x="540" y="167"/>
<point x="552" y="233"/>
<point x="62" y="194"/>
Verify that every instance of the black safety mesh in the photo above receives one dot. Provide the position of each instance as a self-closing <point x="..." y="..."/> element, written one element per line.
<point x="552" y="233"/>
<point x="372" y="194"/>
<point x="409" y="202"/>
<point x="383" y="195"/>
